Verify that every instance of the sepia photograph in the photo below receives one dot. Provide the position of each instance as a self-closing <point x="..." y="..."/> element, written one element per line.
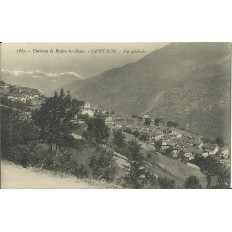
<point x="116" y="115"/>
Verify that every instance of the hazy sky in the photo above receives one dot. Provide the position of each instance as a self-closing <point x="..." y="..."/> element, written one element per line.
<point x="86" y="64"/>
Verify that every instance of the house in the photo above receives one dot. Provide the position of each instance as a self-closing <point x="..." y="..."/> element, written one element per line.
<point x="188" y="154"/>
<point x="36" y="96"/>
<point x="23" y="99"/>
<point x="201" y="145"/>
<point x="176" y="134"/>
<point x="175" y="153"/>
<point x="172" y="143"/>
<point x="28" y="114"/>
<point x="205" y="154"/>
<point x="164" y="145"/>
<point x="167" y="131"/>
<point x="225" y="152"/>
<point x="196" y="150"/>
<point x="145" y="116"/>
<point x="76" y="136"/>
<point x="13" y="98"/>
<point x="212" y="149"/>
<point x="87" y="110"/>
<point x="117" y="124"/>
<point x="103" y="112"/>
<point x="109" y="122"/>
<point x="158" y="137"/>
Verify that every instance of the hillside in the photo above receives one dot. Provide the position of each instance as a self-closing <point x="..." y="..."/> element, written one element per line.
<point x="46" y="83"/>
<point x="16" y="90"/>
<point x="174" y="169"/>
<point x="185" y="82"/>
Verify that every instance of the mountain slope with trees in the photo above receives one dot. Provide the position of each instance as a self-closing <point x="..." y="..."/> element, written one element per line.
<point x="184" y="82"/>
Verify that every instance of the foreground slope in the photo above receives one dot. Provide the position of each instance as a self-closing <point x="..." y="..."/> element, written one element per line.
<point x="17" y="177"/>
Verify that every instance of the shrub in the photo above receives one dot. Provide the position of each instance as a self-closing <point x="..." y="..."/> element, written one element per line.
<point x="103" y="165"/>
<point x="192" y="183"/>
<point x="165" y="183"/>
<point x="149" y="155"/>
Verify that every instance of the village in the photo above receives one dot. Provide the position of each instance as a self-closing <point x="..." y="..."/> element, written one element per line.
<point x="156" y="135"/>
<point x="16" y="93"/>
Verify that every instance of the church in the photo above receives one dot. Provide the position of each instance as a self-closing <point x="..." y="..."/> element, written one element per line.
<point x="87" y="110"/>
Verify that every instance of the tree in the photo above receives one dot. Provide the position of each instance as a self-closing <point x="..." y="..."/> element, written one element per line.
<point x="20" y="136"/>
<point x="223" y="178"/>
<point x="209" y="167"/>
<point x="158" y="144"/>
<point x="54" y="118"/>
<point x="134" y="115"/>
<point x="192" y="183"/>
<point x="16" y="130"/>
<point x="165" y="183"/>
<point x="147" y="122"/>
<point x="175" y="124"/>
<point x="181" y="155"/>
<point x="98" y="130"/>
<point x="103" y="165"/>
<point x="172" y="124"/>
<point x="6" y="126"/>
<point x="119" y="138"/>
<point x="168" y="152"/>
<point x="136" y="168"/>
<point x="138" y="176"/>
<point x="169" y="123"/>
<point x="157" y="121"/>
<point x="136" y="134"/>
<point x="144" y="137"/>
<point x="219" y="141"/>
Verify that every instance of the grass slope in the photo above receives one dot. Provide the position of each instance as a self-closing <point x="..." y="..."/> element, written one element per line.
<point x="174" y="169"/>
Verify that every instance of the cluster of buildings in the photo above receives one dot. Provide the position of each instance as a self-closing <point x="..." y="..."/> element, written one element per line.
<point x="24" y="99"/>
<point x="177" y="141"/>
<point x="17" y="93"/>
<point x="86" y="109"/>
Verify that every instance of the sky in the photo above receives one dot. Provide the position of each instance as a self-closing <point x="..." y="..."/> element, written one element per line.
<point x="87" y="64"/>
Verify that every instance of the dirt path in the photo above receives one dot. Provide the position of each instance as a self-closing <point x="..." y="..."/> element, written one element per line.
<point x="17" y="177"/>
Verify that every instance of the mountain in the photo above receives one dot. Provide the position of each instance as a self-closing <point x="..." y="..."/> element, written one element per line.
<point x="44" y="82"/>
<point x="184" y="82"/>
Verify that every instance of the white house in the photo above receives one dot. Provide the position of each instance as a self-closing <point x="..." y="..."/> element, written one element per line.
<point x="212" y="149"/>
<point x="164" y="146"/>
<point x="146" y="116"/>
<point x="23" y="99"/>
<point x="36" y="96"/>
<point x="158" y="137"/>
<point x="31" y="97"/>
<point x="87" y="110"/>
<point x="201" y="145"/>
<point x="225" y="152"/>
<point x="205" y="154"/>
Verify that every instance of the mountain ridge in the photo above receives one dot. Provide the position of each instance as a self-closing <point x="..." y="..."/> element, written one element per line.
<point x="194" y="78"/>
<point x="45" y="82"/>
